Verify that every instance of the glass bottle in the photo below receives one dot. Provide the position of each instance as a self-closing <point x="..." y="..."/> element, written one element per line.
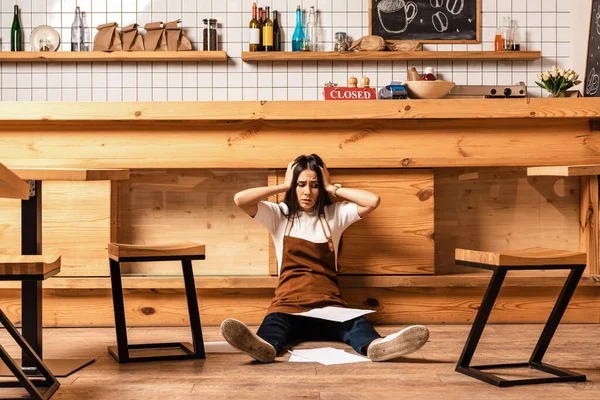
<point x="311" y="30"/>
<point x="77" y="32"/>
<point x="498" y="41"/>
<point x="254" y="31"/>
<point x="516" y="39"/>
<point x="267" y="31"/>
<point x="261" y="22"/>
<point x="16" y="32"/>
<point x="276" y="32"/>
<point x="87" y="41"/>
<point x="507" y="28"/>
<point x="298" y="37"/>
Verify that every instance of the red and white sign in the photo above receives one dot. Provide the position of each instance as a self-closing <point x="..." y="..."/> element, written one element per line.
<point x="344" y="93"/>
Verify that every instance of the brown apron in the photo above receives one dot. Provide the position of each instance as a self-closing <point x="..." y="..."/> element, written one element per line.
<point x="308" y="277"/>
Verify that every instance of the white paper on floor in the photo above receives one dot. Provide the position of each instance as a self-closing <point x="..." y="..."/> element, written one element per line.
<point x="338" y="314"/>
<point x="219" y="347"/>
<point x="325" y="356"/>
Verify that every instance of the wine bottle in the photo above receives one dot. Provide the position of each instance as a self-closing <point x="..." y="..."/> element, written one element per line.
<point x="267" y="31"/>
<point x="298" y="37"/>
<point x="254" y="31"/>
<point x="16" y="32"/>
<point x="77" y="32"/>
<point x="276" y="32"/>
<point x="260" y="26"/>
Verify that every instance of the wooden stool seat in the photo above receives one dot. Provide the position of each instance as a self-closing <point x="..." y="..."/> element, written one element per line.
<point x="28" y="268"/>
<point x="118" y="251"/>
<point x="184" y="252"/>
<point x="536" y="256"/>
<point x="31" y="267"/>
<point x="502" y="262"/>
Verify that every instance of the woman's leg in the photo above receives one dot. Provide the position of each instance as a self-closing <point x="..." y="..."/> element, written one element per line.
<point x="276" y="328"/>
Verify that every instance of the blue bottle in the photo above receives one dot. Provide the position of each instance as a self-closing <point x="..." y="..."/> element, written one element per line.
<point x="298" y="37"/>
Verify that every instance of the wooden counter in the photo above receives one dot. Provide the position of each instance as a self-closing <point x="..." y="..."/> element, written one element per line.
<point x="188" y="159"/>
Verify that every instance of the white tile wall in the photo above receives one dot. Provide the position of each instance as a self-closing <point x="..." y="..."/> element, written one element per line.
<point x="544" y="26"/>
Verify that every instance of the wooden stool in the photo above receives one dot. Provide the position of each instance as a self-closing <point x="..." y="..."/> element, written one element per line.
<point x="184" y="252"/>
<point x="28" y="268"/>
<point x="501" y="263"/>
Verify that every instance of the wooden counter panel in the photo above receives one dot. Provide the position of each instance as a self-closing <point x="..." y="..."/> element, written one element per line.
<point x="502" y="210"/>
<point x="164" y="307"/>
<point x="584" y="108"/>
<point x="75" y="225"/>
<point x="260" y="144"/>
<point x="397" y="238"/>
<point x="170" y="206"/>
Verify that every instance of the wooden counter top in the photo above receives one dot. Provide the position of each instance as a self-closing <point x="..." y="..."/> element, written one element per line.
<point x="452" y="109"/>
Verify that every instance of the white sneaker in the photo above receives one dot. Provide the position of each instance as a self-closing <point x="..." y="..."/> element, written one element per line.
<point x="237" y="334"/>
<point x="407" y="341"/>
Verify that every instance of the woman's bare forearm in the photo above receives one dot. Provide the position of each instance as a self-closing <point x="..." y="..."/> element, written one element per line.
<point x="252" y="196"/>
<point x="361" y="197"/>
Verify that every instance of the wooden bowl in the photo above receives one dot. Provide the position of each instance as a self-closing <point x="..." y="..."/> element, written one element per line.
<point x="428" y="89"/>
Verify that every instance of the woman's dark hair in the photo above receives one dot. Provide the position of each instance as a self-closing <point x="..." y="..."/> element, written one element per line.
<point x="314" y="163"/>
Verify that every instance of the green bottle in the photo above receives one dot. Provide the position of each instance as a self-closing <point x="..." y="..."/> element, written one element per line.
<point x="16" y="33"/>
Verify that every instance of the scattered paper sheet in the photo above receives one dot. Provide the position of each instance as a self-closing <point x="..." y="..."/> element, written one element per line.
<point x="325" y="356"/>
<point x="219" y="347"/>
<point x="338" y="314"/>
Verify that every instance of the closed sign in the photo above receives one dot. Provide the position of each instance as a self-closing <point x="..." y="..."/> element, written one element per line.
<point x="341" y="93"/>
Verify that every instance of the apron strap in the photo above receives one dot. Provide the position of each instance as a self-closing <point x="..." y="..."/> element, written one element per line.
<point x="327" y="231"/>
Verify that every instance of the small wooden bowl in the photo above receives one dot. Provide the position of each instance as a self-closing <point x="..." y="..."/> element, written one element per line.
<point x="428" y="89"/>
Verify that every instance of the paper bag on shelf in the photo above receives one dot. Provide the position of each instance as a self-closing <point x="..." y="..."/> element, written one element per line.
<point x="107" y="38"/>
<point x="404" y="45"/>
<point x="177" y="40"/>
<point x="156" y="37"/>
<point x="132" y="40"/>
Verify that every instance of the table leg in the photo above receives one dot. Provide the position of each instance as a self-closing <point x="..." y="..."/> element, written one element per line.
<point x="31" y="293"/>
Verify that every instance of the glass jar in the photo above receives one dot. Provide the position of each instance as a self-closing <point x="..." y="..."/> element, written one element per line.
<point x="341" y="42"/>
<point x="209" y="34"/>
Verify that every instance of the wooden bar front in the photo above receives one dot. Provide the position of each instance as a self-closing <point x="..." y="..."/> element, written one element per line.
<point x="187" y="160"/>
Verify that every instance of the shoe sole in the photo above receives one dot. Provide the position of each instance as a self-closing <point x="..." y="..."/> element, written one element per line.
<point x="239" y="336"/>
<point x="408" y="341"/>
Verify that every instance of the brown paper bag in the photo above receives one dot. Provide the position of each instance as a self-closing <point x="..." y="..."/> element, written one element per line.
<point x="107" y="38"/>
<point x="132" y="40"/>
<point x="177" y="40"/>
<point x="156" y="37"/>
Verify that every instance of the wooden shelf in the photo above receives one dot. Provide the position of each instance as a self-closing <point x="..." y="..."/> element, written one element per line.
<point x="443" y="109"/>
<point x="115" y="56"/>
<point x="393" y="56"/>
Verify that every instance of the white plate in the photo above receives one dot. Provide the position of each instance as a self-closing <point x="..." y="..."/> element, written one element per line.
<point x="47" y="33"/>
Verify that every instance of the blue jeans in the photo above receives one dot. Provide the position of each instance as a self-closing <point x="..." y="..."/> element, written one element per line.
<point x="279" y="328"/>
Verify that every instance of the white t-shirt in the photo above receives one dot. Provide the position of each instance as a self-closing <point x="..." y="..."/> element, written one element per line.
<point x="338" y="215"/>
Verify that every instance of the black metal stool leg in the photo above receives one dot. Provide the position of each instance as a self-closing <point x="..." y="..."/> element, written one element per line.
<point x="487" y="304"/>
<point x="122" y="354"/>
<point x="194" y="312"/>
<point x="50" y="382"/>
<point x="552" y="324"/>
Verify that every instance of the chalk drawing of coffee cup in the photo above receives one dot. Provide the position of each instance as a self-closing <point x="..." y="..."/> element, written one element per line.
<point x="396" y="15"/>
<point x="440" y="21"/>
<point x="593" y="83"/>
<point x="455" y="7"/>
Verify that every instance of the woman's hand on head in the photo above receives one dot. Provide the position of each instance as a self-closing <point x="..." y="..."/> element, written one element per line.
<point x="289" y="175"/>
<point x="326" y="178"/>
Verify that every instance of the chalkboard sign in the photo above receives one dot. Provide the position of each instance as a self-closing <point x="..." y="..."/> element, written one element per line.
<point x="592" y="69"/>
<point x="428" y="21"/>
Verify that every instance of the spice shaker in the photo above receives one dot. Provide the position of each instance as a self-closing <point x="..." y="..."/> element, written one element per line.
<point x="209" y="34"/>
<point x="352" y="82"/>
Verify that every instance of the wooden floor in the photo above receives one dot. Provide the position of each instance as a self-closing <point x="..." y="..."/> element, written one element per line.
<point x="427" y="374"/>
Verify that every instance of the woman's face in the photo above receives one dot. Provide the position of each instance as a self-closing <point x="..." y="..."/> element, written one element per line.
<point x="307" y="190"/>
